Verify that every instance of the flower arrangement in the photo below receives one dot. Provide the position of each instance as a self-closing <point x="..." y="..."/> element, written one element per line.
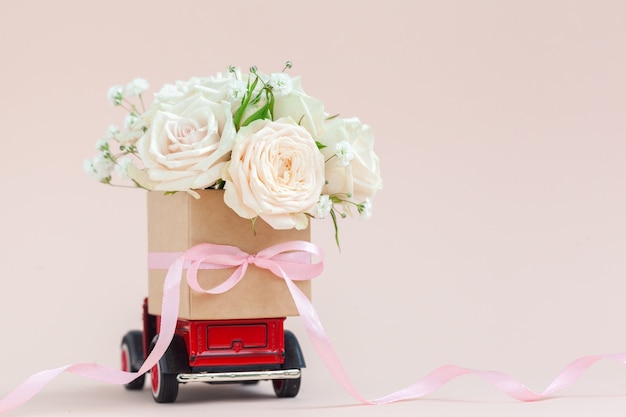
<point x="273" y="149"/>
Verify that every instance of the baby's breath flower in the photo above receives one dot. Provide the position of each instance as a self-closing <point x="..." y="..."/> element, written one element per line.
<point x="136" y="87"/>
<point x="281" y="84"/>
<point x="123" y="167"/>
<point x="112" y="130"/>
<point x="130" y="120"/>
<point x="99" y="168"/>
<point x="116" y="94"/>
<point x="323" y="207"/>
<point x="237" y="88"/>
<point x="365" y="209"/>
<point x="129" y="137"/>
<point x="102" y="145"/>
<point x="345" y="152"/>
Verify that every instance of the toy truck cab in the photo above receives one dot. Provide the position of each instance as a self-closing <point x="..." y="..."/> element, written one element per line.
<point x="216" y="351"/>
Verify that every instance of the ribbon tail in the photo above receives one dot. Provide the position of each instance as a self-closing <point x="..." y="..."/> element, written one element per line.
<point x="323" y="346"/>
<point x="321" y="341"/>
<point x="169" y="314"/>
<point x="326" y="352"/>
<point x="29" y="388"/>
<point x="171" y="300"/>
<point x="438" y="377"/>
<point x="577" y="368"/>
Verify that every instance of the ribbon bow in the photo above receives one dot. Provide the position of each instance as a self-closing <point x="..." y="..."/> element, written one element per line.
<point x="290" y="261"/>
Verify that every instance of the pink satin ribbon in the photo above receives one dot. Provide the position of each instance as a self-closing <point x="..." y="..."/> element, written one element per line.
<point x="289" y="261"/>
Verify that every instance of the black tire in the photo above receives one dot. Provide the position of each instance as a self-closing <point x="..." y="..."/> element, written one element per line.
<point x="286" y="388"/>
<point x="131" y="356"/>
<point x="164" y="386"/>
<point x="289" y="388"/>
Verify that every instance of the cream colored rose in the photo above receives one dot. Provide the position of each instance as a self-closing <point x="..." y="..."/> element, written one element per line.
<point x="352" y="167"/>
<point x="304" y="109"/>
<point x="276" y="172"/>
<point x="187" y="142"/>
<point x="290" y="100"/>
<point x="215" y="88"/>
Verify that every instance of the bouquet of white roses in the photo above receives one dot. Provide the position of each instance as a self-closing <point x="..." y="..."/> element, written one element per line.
<point x="273" y="149"/>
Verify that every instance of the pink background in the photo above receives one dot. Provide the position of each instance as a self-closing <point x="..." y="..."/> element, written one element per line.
<point x="496" y="243"/>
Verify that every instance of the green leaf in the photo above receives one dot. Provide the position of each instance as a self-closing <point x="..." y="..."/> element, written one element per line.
<point x="334" y="217"/>
<point x="320" y="145"/>
<point x="239" y="113"/>
<point x="257" y="115"/>
<point x="244" y="103"/>
<point x="265" y="112"/>
<point x="336" y="199"/>
<point x="219" y="185"/>
<point x="271" y="104"/>
<point x="139" y="185"/>
<point x="252" y="86"/>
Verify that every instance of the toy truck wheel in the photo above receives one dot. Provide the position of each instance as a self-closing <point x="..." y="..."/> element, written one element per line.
<point x="164" y="385"/>
<point x="286" y="388"/>
<point x="131" y="356"/>
<point x="289" y="388"/>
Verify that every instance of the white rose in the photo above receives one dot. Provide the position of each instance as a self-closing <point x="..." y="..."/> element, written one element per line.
<point x="360" y="175"/>
<point x="291" y="101"/>
<point x="215" y="88"/>
<point x="304" y="109"/>
<point x="169" y="96"/>
<point x="187" y="142"/>
<point x="276" y="172"/>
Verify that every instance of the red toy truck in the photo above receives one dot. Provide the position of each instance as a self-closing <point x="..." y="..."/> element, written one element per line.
<point x="216" y="351"/>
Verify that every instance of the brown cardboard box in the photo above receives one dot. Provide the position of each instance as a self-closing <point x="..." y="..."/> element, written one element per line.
<point x="178" y="222"/>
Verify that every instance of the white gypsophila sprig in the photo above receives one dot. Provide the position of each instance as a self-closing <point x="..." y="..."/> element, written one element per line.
<point x="281" y="84"/>
<point x="123" y="167"/>
<point x="345" y="152"/>
<point x="237" y="88"/>
<point x="365" y="209"/>
<point x="323" y="207"/>
<point x="136" y="87"/>
<point x="103" y="145"/>
<point x="99" y="168"/>
<point x="130" y="120"/>
<point x="111" y="131"/>
<point x="116" y="94"/>
<point x="130" y="137"/>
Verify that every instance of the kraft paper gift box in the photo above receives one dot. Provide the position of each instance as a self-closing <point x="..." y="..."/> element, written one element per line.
<point x="178" y="222"/>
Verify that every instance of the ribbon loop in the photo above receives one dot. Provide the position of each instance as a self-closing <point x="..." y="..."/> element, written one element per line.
<point x="294" y="257"/>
